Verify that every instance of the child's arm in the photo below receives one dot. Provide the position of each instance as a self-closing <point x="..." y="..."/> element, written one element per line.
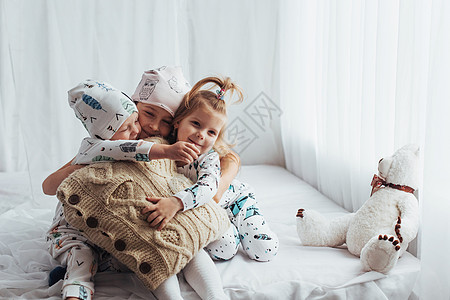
<point x="96" y="150"/>
<point x="207" y="170"/>
<point x="180" y="151"/>
<point x="52" y="182"/>
<point x="163" y="209"/>
<point x="229" y="165"/>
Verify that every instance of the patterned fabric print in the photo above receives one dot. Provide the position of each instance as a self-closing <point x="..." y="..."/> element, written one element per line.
<point x="129" y="107"/>
<point x="258" y="241"/>
<point x="163" y="87"/>
<point x="83" y="293"/>
<point x="173" y="83"/>
<point x="226" y="246"/>
<point x="71" y="248"/>
<point x="104" y="86"/>
<point x="101" y="108"/>
<point x="147" y="88"/>
<point x="92" y="102"/>
<point x="62" y="236"/>
<point x="96" y="150"/>
<point x="206" y="173"/>
<point x="108" y="263"/>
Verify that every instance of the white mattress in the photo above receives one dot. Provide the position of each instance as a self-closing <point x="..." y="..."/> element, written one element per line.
<point x="297" y="272"/>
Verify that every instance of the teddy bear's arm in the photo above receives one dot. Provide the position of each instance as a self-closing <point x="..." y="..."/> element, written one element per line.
<point x="409" y="219"/>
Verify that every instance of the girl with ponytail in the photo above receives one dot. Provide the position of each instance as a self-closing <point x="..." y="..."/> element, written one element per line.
<point x="200" y="120"/>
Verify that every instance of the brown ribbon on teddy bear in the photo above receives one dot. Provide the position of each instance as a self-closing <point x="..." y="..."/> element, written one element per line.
<point x="378" y="182"/>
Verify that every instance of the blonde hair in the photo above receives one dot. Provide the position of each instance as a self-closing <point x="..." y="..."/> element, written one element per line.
<point x="199" y="96"/>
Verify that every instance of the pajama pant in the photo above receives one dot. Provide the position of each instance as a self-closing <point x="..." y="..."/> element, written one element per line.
<point x="70" y="247"/>
<point x="247" y="227"/>
<point x="67" y="246"/>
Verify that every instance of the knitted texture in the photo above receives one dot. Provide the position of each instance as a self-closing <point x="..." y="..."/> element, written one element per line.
<point x="105" y="201"/>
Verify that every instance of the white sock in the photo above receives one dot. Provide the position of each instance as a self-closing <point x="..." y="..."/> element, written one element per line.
<point x="169" y="289"/>
<point x="202" y="275"/>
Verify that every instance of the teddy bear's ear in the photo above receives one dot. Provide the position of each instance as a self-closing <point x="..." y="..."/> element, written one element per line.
<point x="413" y="148"/>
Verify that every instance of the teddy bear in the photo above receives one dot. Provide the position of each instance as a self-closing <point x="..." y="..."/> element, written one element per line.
<point x="380" y="231"/>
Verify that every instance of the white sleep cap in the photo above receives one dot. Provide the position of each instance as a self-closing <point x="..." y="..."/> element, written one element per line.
<point x="100" y="107"/>
<point x="164" y="87"/>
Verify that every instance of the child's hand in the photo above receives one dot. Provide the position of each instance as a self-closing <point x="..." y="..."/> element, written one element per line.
<point x="180" y="151"/>
<point x="162" y="210"/>
<point x="183" y="152"/>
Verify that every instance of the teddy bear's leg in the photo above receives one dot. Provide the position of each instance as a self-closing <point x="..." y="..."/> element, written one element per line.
<point x="380" y="253"/>
<point x="397" y="229"/>
<point x="409" y="219"/>
<point x="316" y="230"/>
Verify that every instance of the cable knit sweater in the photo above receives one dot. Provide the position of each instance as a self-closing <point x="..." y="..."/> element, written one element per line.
<point x="104" y="201"/>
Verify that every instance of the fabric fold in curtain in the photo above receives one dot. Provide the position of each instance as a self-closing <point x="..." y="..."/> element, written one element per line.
<point x="342" y="102"/>
<point x="360" y="79"/>
<point x="434" y="241"/>
<point x="48" y="46"/>
<point x="12" y="146"/>
<point x="61" y="44"/>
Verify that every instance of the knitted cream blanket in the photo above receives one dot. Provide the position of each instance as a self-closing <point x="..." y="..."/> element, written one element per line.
<point x="105" y="200"/>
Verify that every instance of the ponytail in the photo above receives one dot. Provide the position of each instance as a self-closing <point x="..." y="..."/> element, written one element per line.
<point x="226" y="88"/>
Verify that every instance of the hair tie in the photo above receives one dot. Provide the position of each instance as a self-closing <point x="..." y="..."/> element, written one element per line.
<point x="220" y="94"/>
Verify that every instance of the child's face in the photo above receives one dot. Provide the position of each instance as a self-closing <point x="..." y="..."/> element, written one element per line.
<point x="201" y="128"/>
<point x="154" y="120"/>
<point x="129" y="130"/>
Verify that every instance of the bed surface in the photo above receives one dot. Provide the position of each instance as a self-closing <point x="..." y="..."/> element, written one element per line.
<point x="297" y="272"/>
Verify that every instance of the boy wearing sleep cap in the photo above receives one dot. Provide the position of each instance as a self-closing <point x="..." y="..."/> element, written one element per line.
<point x="101" y="108"/>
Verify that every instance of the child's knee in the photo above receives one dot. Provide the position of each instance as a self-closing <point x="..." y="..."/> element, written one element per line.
<point x="222" y="254"/>
<point x="226" y="246"/>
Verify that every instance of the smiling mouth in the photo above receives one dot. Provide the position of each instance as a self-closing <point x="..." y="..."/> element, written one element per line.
<point x="191" y="141"/>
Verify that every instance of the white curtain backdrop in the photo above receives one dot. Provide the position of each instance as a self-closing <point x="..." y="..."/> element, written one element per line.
<point x="47" y="47"/>
<point x="360" y="79"/>
<point x="330" y="86"/>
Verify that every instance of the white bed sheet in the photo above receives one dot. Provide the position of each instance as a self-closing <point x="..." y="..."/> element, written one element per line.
<point x="297" y="272"/>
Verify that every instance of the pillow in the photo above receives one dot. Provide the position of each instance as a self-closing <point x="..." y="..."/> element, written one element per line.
<point x="105" y="200"/>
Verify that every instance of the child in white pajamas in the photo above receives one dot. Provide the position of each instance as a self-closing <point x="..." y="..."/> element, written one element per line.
<point x="108" y="114"/>
<point x="82" y="258"/>
<point x="200" y="120"/>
